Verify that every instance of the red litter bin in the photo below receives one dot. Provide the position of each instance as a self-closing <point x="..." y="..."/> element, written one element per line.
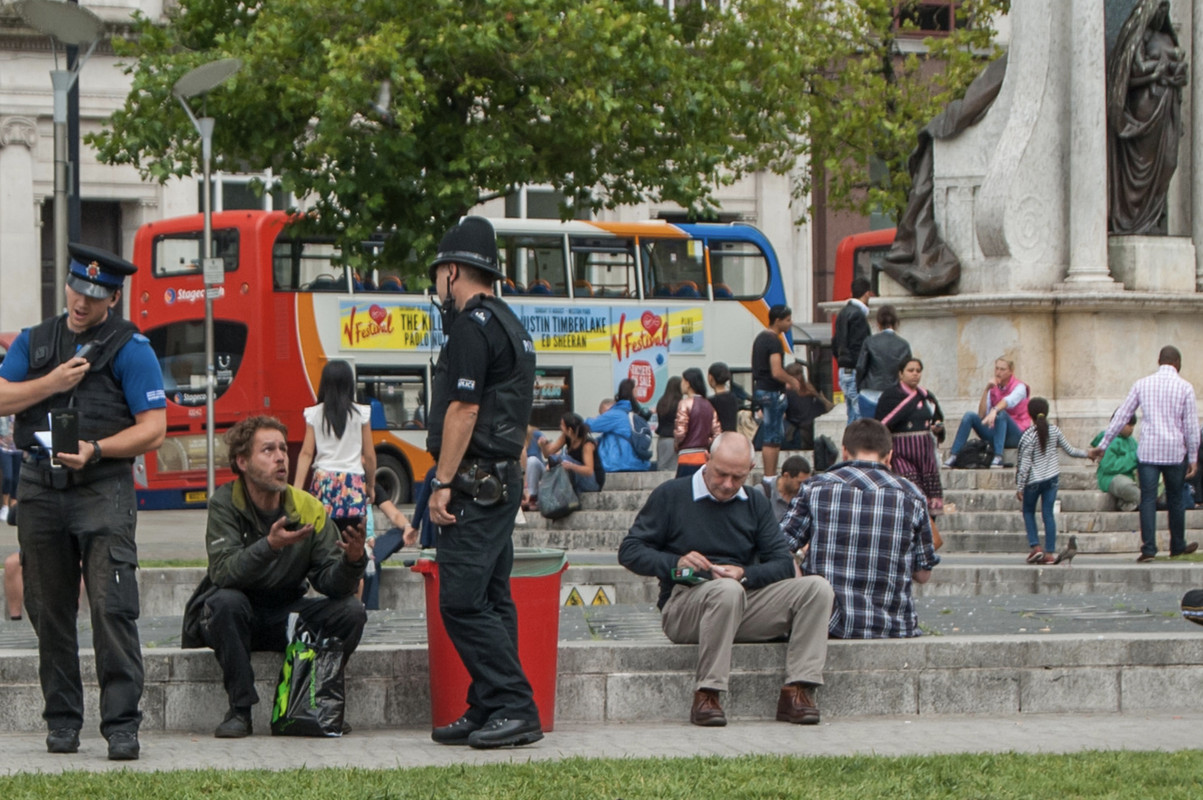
<point x="535" y="586"/>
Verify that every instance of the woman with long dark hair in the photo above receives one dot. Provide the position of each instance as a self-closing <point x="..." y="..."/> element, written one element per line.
<point x="338" y="443"/>
<point x="1037" y="473"/>
<point x="915" y="421"/>
<point x="579" y="454"/>
<point x="626" y="391"/>
<point x="696" y="426"/>
<point x="666" y="419"/>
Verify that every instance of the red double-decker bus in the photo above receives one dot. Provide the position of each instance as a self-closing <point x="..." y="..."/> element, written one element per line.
<point x="267" y="350"/>
<point x="603" y="302"/>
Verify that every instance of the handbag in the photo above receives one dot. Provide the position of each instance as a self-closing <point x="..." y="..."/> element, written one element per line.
<point x="310" y="698"/>
<point x="746" y="424"/>
<point x="557" y="498"/>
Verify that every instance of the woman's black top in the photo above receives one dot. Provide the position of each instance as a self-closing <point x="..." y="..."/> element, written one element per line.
<point x="918" y="410"/>
<point x="726" y="406"/>
<point x="599" y="470"/>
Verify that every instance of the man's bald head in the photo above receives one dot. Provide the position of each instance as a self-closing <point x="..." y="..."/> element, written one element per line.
<point x="729" y="466"/>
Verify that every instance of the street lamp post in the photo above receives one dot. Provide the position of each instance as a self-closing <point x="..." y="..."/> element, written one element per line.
<point x="198" y="82"/>
<point x="75" y="26"/>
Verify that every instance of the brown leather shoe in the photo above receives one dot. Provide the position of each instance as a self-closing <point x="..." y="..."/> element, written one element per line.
<point x="797" y="705"/>
<point x="706" y="711"/>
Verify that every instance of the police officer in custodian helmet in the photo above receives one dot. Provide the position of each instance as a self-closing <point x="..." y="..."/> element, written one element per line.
<point x="77" y="504"/>
<point x="482" y="396"/>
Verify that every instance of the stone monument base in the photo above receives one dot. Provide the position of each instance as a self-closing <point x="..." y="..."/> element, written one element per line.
<point x="1081" y="350"/>
<point x="1153" y="263"/>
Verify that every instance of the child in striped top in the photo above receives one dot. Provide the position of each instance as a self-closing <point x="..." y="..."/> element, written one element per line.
<point x="1036" y="477"/>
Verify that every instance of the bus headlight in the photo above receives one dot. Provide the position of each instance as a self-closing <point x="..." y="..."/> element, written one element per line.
<point x="189" y="452"/>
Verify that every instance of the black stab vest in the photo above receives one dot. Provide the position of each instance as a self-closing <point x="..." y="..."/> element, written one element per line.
<point x="99" y="396"/>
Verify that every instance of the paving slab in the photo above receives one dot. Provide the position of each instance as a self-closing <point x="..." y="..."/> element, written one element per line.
<point x="411" y="747"/>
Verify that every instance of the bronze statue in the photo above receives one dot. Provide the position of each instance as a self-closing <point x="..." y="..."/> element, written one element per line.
<point x="1145" y="75"/>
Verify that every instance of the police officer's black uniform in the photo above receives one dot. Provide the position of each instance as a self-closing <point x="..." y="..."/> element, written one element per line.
<point x="487" y="359"/>
<point x="83" y="520"/>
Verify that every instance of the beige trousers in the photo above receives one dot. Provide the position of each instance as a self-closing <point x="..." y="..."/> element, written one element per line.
<point x="716" y="614"/>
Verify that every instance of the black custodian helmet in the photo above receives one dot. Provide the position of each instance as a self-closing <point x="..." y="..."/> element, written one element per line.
<point x="471" y="243"/>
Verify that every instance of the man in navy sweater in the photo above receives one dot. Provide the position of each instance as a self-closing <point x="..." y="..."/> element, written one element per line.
<point x="728" y="537"/>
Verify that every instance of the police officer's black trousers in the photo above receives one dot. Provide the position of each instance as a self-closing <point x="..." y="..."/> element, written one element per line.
<point x="233" y="626"/>
<point x="475" y="557"/>
<point x="62" y="531"/>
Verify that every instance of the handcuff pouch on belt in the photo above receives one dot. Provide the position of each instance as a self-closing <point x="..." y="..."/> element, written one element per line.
<point x="483" y="483"/>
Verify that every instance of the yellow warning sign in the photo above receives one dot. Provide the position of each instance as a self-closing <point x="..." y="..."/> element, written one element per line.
<point x="600" y="599"/>
<point x="574" y="598"/>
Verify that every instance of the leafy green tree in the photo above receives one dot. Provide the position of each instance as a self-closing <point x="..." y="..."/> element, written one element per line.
<point x="611" y="102"/>
<point x="875" y="95"/>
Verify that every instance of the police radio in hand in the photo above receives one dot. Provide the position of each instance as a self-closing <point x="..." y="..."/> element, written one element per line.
<point x="88" y="351"/>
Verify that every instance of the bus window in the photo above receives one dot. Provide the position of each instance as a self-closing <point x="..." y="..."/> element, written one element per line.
<point x="180" y="347"/>
<point x="674" y="268"/>
<point x="553" y="397"/>
<point x="533" y="264"/>
<point x="398" y="395"/>
<point x="867" y="264"/>
<point x="739" y="271"/>
<point x="602" y="267"/>
<point x="180" y="253"/>
<point x="307" y="265"/>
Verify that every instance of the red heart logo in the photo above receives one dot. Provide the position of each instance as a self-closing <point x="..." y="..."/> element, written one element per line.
<point x="378" y="314"/>
<point x="651" y="322"/>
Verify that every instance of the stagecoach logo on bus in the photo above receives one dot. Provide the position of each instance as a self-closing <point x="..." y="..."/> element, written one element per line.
<point x="191" y="295"/>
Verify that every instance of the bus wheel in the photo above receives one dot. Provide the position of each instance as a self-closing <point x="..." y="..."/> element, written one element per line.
<point x="392" y="480"/>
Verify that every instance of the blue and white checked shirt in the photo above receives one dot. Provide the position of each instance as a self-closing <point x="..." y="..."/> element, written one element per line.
<point x="868" y="531"/>
<point x="1169" y="431"/>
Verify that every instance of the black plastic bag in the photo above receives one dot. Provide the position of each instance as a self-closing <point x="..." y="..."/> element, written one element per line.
<point x="826" y="454"/>
<point x="557" y="498"/>
<point x="310" y="698"/>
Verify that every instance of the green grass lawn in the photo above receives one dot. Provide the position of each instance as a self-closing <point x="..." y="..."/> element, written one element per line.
<point x="1163" y="776"/>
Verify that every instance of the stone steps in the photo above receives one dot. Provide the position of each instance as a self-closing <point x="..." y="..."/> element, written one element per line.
<point x="165" y="591"/>
<point x="388" y="686"/>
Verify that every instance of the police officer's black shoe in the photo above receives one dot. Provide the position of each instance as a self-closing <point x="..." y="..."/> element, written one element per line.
<point x="62" y="740"/>
<point x="455" y="733"/>
<point x="504" y="732"/>
<point x="123" y="746"/>
<point x="236" y="725"/>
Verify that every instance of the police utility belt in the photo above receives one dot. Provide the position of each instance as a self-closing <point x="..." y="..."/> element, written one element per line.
<point x="45" y="471"/>
<point x="484" y="482"/>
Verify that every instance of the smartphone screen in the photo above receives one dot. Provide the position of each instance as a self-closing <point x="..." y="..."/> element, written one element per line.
<point x="344" y="523"/>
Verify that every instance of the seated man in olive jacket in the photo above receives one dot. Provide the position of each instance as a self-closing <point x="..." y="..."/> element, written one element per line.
<point x="267" y="543"/>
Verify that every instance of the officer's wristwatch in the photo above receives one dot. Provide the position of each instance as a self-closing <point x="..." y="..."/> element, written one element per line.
<point x="436" y="484"/>
<point x="96" y="455"/>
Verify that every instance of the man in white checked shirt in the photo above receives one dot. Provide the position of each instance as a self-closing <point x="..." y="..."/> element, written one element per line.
<point x="1169" y="448"/>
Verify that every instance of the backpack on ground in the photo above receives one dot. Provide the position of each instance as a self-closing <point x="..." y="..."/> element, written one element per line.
<point x="641" y="436"/>
<point x="976" y="454"/>
<point x="826" y="453"/>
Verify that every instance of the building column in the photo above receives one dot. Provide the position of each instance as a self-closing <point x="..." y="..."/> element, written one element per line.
<point x="20" y="245"/>
<point x="1088" y="151"/>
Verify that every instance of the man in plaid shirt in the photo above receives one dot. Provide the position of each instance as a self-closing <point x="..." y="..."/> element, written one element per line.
<point x="866" y="531"/>
<point x="1168" y="449"/>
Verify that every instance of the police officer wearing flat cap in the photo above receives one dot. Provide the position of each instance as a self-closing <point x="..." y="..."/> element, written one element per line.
<point x="481" y="402"/>
<point x="78" y="508"/>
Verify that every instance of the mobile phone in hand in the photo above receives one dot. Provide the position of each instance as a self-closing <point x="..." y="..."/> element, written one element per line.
<point x="347" y="523"/>
<point x="64" y="430"/>
<point x="689" y="575"/>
